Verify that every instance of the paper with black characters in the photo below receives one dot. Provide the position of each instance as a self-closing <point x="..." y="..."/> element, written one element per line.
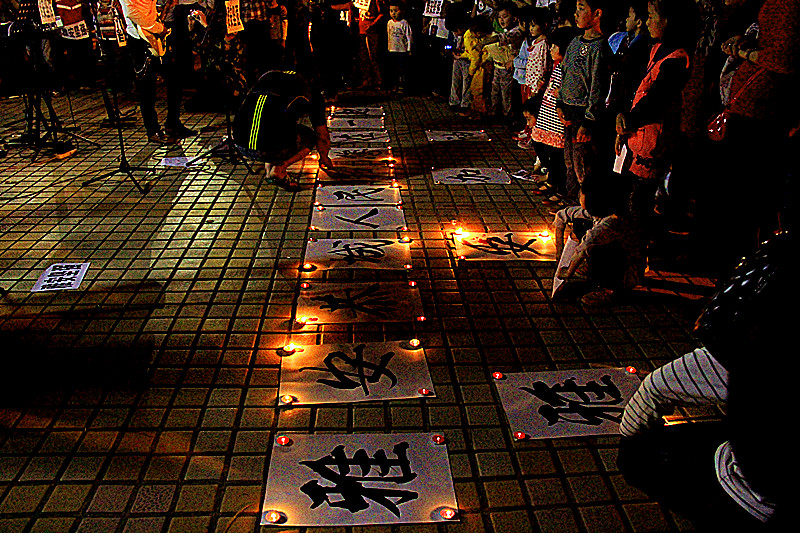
<point x="359" y="372"/>
<point x="566" y="403"/>
<point x="345" y="123"/>
<point x="357" y="480"/>
<point x="345" y="303"/>
<point x="506" y="246"/>
<point x="470" y="176"/>
<point x="364" y="218"/>
<point x="456" y="135"/>
<point x="353" y="195"/>
<point x="384" y="254"/>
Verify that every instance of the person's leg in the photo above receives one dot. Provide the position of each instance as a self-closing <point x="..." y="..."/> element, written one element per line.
<point x="278" y="171"/>
<point x="373" y="52"/>
<point x="145" y="81"/>
<point x="507" y="84"/>
<point x="455" y="84"/>
<point x="570" y="157"/>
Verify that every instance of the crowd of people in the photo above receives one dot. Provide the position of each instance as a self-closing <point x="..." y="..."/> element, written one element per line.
<point x="619" y="92"/>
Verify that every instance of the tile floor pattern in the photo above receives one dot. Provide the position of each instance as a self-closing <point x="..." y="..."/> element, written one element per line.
<point x="145" y="400"/>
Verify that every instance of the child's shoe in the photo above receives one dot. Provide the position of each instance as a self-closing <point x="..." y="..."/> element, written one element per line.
<point x="525" y="144"/>
<point x="522" y="135"/>
<point x="599" y="298"/>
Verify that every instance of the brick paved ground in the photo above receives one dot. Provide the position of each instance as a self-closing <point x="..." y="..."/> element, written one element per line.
<point x="145" y="400"/>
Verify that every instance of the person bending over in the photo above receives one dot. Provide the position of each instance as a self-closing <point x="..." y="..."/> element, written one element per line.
<point x="279" y="123"/>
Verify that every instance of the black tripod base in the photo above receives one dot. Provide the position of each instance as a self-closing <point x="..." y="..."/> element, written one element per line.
<point x="128" y="171"/>
<point x="227" y="151"/>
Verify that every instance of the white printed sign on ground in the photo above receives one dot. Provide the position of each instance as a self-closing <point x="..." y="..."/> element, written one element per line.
<point x="361" y="372"/>
<point x="359" y="136"/>
<point x="566" y="403"/>
<point x="506" y="246"/>
<point x="358" y="480"/>
<point x="357" y="112"/>
<point x="343" y="123"/>
<point x="352" y="195"/>
<point x="346" y="303"/>
<point x="456" y="135"/>
<point x="384" y="254"/>
<point x="61" y="276"/>
<point x="470" y="176"/>
<point x="364" y="218"/>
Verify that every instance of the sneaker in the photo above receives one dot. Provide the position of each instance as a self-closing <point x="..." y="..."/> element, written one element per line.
<point x="599" y="298"/>
<point x="525" y="144"/>
<point x="522" y="135"/>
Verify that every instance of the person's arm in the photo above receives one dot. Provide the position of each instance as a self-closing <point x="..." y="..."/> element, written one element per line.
<point x="323" y="145"/>
<point x="694" y="379"/>
<point x="666" y="87"/>
<point x="145" y="15"/>
<point x="600" y="77"/>
<point x="409" y="36"/>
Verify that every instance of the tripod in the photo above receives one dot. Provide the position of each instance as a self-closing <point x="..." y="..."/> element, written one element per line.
<point x="226" y="148"/>
<point x="53" y="126"/>
<point x="124" y="167"/>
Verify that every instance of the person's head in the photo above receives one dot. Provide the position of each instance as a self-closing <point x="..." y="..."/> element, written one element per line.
<point x="529" y="110"/>
<point x="507" y="15"/>
<point x="558" y="40"/>
<point x="636" y="21"/>
<point x="565" y="12"/>
<point x="589" y="14"/>
<point x="481" y="26"/>
<point x="597" y="198"/>
<point x="396" y="10"/>
<point x="540" y="22"/>
<point x="456" y="21"/>
<point x="673" y="22"/>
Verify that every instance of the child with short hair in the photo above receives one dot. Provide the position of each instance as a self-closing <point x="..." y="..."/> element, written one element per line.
<point x="630" y="59"/>
<point x="582" y="98"/>
<point x="398" y="31"/>
<point x="536" y="66"/>
<point x="467" y="59"/>
<point x="502" y="48"/>
<point x="608" y="255"/>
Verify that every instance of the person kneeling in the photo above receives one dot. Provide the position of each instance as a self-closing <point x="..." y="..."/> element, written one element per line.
<point x="281" y="120"/>
<point x="607" y="256"/>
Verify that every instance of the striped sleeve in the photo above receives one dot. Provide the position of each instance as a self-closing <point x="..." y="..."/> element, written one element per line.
<point x="694" y="379"/>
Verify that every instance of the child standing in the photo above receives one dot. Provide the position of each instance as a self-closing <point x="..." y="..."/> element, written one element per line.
<point x="582" y="98"/>
<point x="467" y="59"/>
<point x="547" y="131"/>
<point x="537" y="65"/>
<point x="630" y="59"/>
<point x="503" y="47"/>
<point x="398" y="31"/>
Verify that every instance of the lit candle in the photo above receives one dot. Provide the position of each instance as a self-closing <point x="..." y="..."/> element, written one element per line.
<point x="447" y="513"/>
<point x="630" y="370"/>
<point x="421" y="318"/>
<point x="519" y="435"/>
<point x="414" y="343"/>
<point x="424" y="392"/>
<point x="287" y="398"/>
<point x="497" y="375"/>
<point x="283" y="440"/>
<point x="273" y="517"/>
<point x="438" y="439"/>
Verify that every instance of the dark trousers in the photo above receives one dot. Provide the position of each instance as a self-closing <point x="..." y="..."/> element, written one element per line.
<point x="552" y="159"/>
<point x="145" y="76"/>
<point x="675" y="466"/>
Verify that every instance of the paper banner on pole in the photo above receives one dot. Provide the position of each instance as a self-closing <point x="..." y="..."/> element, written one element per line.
<point x="233" y="16"/>
<point x="506" y="246"/>
<point x="362" y="372"/>
<point x="345" y="303"/>
<point x="47" y="14"/>
<point x="566" y="403"/>
<point x="357" y="112"/>
<point x="564" y="261"/>
<point x="361" y="5"/>
<point x="61" y="276"/>
<point x="358" y="480"/>
<point x="470" y="176"/>
<point x="344" y="123"/>
<point x="384" y="254"/>
<point x="358" y="219"/>
<point x="433" y="8"/>
<point x="353" y="195"/>
<point x="362" y="136"/>
<point x="447" y="135"/>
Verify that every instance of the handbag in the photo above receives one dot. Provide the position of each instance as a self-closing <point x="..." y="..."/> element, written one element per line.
<point x="718" y="127"/>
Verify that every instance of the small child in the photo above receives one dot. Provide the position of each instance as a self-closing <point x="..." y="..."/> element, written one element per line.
<point x="502" y="48"/>
<point x="547" y="131"/>
<point x="582" y="97"/>
<point x="608" y="255"/>
<point x="531" y="72"/>
<point x="630" y="59"/>
<point x="398" y="31"/>
<point x="467" y="59"/>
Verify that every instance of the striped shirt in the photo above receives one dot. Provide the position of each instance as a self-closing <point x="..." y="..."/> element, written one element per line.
<point x="697" y="378"/>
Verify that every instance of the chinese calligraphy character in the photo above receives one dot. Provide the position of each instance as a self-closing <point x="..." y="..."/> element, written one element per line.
<point x="356" y="195"/>
<point x="337" y="468"/>
<point x="360" y="220"/>
<point x="498" y="246"/>
<point x="587" y="404"/>
<point x="359" y="365"/>
<point x="469" y="174"/>
<point x="372" y="301"/>
<point x="370" y="252"/>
